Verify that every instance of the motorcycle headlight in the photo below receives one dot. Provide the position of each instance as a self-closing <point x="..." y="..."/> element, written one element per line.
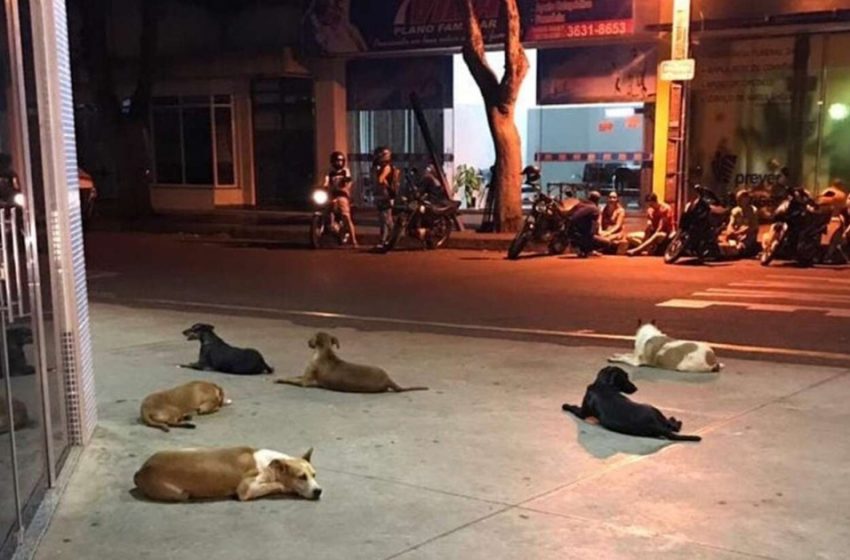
<point x="320" y="197"/>
<point x="18" y="199"/>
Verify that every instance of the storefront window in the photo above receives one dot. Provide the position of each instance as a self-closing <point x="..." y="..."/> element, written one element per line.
<point x="755" y="118"/>
<point x="193" y="140"/>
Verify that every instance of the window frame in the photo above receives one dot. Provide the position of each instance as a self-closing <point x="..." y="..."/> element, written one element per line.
<point x="184" y="101"/>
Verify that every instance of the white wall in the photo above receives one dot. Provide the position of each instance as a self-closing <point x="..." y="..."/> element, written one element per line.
<point x="472" y="143"/>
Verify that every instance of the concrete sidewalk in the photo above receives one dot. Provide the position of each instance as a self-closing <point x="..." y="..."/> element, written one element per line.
<point x="484" y="465"/>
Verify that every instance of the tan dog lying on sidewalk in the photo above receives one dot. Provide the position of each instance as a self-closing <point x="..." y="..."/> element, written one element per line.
<point x="174" y="407"/>
<point x="19" y="413"/>
<point x="655" y="349"/>
<point x="328" y="371"/>
<point x="244" y="472"/>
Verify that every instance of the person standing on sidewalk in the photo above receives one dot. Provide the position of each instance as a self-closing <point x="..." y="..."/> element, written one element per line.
<point x="385" y="177"/>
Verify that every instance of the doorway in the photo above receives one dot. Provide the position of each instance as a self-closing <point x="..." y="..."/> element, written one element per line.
<point x="284" y="141"/>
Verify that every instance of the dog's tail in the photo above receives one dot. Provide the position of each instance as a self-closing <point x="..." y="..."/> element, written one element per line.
<point x="398" y="389"/>
<point x="679" y="437"/>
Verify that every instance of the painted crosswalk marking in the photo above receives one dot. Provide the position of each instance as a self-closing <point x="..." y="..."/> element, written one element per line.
<point x="777" y="294"/>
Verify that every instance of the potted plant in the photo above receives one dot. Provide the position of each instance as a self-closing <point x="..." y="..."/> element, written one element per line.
<point x="468" y="180"/>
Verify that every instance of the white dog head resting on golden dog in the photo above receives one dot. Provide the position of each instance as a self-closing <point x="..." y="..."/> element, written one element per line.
<point x="294" y="473"/>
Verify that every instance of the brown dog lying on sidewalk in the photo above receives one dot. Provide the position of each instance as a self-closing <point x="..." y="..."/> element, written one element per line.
<point x="174" y="407"/>
<point x="244" y="472"/>
<point x="19" y="414"/>
<point x="328" y="371"/>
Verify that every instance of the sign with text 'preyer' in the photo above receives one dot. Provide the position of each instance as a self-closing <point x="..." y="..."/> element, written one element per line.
<point x="677" y="70"/>
<point x="356" y="26"/>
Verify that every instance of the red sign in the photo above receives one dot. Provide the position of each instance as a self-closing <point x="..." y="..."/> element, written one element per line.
<point x="606" y="126"/>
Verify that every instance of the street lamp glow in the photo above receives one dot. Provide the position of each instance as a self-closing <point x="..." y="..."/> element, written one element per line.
<point x="838" y="111"/>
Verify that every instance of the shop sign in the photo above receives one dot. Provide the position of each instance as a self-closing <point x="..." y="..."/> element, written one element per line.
<point x="597" y="74"/>
<point x="677" y="70"/>
<point x="348" y="27"/>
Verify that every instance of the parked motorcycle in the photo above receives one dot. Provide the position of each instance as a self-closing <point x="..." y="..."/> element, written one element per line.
<point x="419" y="216"/>
<point x="797" y="230"/>
<point x="327" y="220"/>
<point x="699" y="227"/>
<point x="548" y="222"/>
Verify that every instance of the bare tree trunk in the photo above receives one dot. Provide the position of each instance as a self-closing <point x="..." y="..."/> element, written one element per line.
<point x="499" y="102"/>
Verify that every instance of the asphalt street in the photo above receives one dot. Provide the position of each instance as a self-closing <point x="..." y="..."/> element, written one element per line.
<point x="780" y="313"/>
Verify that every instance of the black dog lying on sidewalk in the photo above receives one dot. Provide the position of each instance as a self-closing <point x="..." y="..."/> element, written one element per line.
<point x="217" y="355"/>
<point x="605" y="401"/>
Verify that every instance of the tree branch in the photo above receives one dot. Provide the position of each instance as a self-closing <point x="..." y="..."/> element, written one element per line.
<point x="516" y="63"/>
<point x="474" y="53"/>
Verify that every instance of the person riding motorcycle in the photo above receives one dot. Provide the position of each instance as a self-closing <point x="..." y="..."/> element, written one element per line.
<point x="339" y="185"/>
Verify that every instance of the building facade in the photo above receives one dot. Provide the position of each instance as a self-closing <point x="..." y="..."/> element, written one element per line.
<point x="47" y="405"/>
<point x="250" y="119"/>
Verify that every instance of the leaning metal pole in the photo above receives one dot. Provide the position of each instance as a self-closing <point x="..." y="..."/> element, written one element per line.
<point x="436" y="160"/>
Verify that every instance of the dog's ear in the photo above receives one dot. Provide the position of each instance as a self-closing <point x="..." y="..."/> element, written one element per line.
<point x="652" y="322"/>
<point x="640" y="322"/>
<point x="281" y="467"/>
<point x="308" y="455"/>
<point x="623" y="383"/>
<point x="605" y="376"/>
<point x="335" y="341"/>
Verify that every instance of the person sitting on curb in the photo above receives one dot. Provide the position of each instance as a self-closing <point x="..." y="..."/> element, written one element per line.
<point x="611" y="224"/>
<point x="659" y="227"/>
<point x="741" y="236"/>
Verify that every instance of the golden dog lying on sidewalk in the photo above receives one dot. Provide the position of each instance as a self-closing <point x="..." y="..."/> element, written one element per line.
<point x="244" y="472"/>
<point x="328" y="371"/>
<point x="175" y="407"/>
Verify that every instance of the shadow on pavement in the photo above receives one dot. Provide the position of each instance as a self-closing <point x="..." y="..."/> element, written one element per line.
<point x="602" y="443"/>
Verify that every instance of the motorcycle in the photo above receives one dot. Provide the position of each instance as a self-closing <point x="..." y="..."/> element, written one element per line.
<point x="327" y="220"/>
<point x="548" y="223"/>
<point x="797" y="230"/>
<point x="699" y="227"/>
<point x="419" y="217"/>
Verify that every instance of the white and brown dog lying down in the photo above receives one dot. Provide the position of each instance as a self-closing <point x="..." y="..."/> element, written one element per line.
<point x="328" y="371"/>
<point x="19" y="415"/>
<point x="655" y="349"/>
<point x="173" y="408"/>
<point x="244" y="472"/>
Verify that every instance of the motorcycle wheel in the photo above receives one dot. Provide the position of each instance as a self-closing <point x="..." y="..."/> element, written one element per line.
<point x="768" y="253"/>
<point x="317" y="229"/>
<point x="395" y="236"/>
<point x="807" y="252"/>
<point x="439" y="233"/>
<point x="676" y="248"/>
<point x="518" y="244"/>
<point x="558" y="246"/>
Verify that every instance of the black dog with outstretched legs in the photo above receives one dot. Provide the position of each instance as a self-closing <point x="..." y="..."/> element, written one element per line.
<point x="605" y="401"/>
<point x="217" y="355"/>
